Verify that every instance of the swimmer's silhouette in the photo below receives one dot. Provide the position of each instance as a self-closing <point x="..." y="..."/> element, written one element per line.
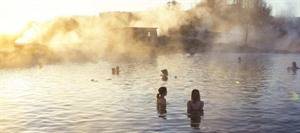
<point x="93" y="80"/>
<point x="117" y="70"/>
<point x="195" y="109"/>
<point x="293" y="68"/>
<point x="113" y="71"/>
<point x="161" y="102"/>
<point x="164" y="75"/>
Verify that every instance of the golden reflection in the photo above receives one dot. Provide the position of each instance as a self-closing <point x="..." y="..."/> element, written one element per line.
<point x="11" y="103"/>
<point x="17" y="84"/>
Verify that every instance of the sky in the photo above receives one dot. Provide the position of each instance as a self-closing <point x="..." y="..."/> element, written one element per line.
<point x="14" y="14"/>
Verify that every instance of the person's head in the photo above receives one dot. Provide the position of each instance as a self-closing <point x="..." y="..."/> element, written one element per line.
<point x="117" y="68"/>
<point x="164" y="72"/>
<point x="162" y="91"/>
<point x="294" y="64"/>
<point x="195" y="95"/>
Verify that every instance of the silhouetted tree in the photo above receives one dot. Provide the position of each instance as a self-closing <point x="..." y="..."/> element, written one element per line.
<point x="253" y="14"/>
<point x="173" y="5"/>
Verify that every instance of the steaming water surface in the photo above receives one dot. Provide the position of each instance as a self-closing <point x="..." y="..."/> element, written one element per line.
<point x="258" y="95"/>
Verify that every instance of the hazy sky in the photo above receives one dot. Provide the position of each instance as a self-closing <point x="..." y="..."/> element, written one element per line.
<point x="15" y="13"/>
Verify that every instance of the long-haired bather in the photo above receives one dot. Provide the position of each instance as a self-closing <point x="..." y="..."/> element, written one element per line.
<point x="195" y="108"/>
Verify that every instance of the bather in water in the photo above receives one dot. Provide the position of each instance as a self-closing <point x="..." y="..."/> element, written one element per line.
<point x="161" y="101"/>
<point x="164" y="75"/>
<point x="195" y="109"/>
<point x="294" y="67"/>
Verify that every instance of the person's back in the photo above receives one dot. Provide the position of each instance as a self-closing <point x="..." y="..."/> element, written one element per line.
<point x="195" y="105"/>
<point x="195" y="109"/>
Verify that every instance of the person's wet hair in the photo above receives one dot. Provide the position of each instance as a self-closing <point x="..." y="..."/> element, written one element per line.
<point x="195" y="95"/>
<point x="165" y="72"/>
<point x="294" y="64"/>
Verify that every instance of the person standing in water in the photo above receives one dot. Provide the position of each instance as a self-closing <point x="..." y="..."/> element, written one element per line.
<point x="195" y="108"/>
<point x="161" y="101"/>
<point x="294" y="67"/>
<point x="113" y="71"/>
<point x="164" y="75"/>
<point x="195" y="104"/>
<point x="117" y="70"/>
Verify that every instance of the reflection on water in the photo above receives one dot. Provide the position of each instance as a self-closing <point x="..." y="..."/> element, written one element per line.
<point x="256" y="95"/>
<point x="196" y="119"/>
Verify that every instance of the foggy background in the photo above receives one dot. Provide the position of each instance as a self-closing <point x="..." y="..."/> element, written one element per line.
<point x="212" y="25"/>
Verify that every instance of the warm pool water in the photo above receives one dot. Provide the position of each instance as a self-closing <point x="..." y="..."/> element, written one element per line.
<point x="258" y="95"/>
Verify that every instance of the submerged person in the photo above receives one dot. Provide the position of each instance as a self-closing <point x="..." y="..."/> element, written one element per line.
<point x="239" y="60"/>
<point x="294" y="67"/>
<point x="164" y="75"/>
<point x="117" y="70"/>
<point x="113" y="71"/>
<point x="164" y="78"/>
<point x="195" y="108"/>
<point x="93" y="80"/>
<point x="195" y="105"/>
<point x="161" y="101"/>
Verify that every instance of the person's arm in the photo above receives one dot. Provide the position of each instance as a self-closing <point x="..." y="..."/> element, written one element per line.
<point x="188" y="107"/>
<point x="202" y="105"/>
<point x="164" y="101"/>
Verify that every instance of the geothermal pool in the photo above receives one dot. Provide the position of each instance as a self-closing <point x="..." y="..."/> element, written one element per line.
<point x="257" y="95"/>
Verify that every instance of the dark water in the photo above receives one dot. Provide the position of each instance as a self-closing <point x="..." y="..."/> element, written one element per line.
<point x="258" y="95"/>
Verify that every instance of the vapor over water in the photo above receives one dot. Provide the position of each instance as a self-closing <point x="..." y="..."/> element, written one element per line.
<point x="210" y="25"/>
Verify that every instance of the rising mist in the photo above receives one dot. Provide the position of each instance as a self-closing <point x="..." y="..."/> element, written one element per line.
<point x="217" y="25"/>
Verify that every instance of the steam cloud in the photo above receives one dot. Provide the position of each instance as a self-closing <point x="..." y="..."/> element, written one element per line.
<point x="90" y="38"/>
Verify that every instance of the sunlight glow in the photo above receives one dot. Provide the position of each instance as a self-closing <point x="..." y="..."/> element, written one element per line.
<point x="19" y="82"/>
<point x="14" y="88"/>
<point x="28" y="37"/>
<point x="15" y="14"/>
